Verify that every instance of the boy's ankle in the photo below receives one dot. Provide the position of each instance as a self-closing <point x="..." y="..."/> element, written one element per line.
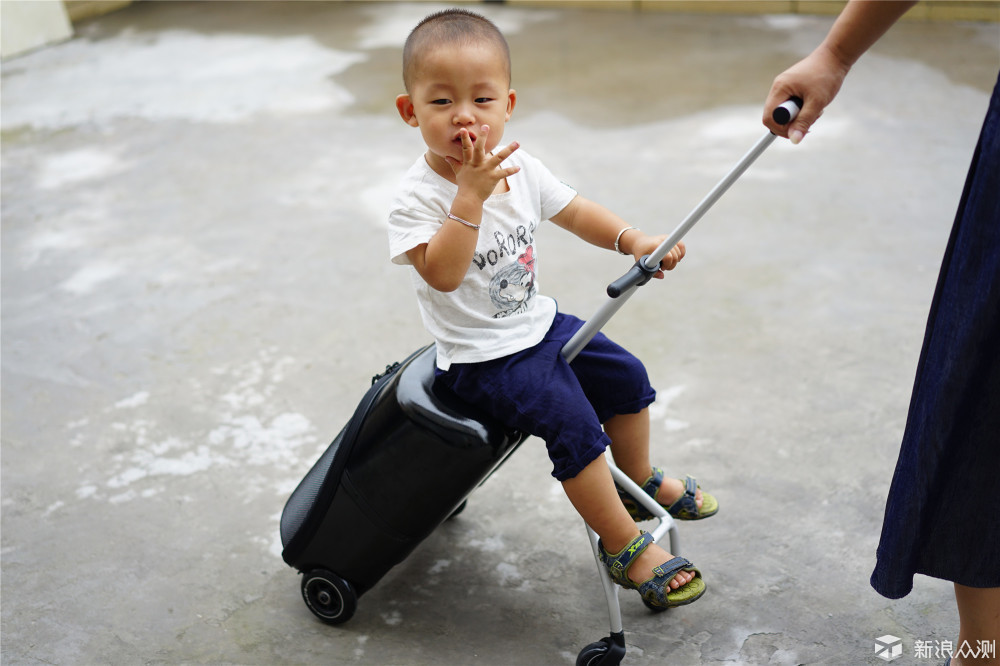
<point x="615" y="545"/>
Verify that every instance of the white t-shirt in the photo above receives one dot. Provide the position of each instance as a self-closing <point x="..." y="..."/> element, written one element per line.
<point x="497" y="309"/>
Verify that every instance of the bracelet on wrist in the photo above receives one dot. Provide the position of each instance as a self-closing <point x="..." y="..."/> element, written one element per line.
<point x="619" y="238"/>
<point x="465" y="222"/>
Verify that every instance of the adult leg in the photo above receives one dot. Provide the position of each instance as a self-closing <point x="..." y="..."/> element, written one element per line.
<point x="979" y="624"/>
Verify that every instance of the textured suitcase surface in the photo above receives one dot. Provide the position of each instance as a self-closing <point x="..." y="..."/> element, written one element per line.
<point x="407" y="459"/>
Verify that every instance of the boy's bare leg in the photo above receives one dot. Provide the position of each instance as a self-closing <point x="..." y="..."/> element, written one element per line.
<point x="629" y="435"/>
<point x="592" y="492"/>
<point x="979" y="625"/>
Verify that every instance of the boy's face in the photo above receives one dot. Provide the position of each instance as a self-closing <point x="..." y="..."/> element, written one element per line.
<point x="452" y="87"/>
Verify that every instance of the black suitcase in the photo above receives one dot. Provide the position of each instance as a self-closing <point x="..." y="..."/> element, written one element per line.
<point x="405" y="462"/>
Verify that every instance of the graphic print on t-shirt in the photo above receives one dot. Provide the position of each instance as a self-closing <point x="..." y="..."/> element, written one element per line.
<point x="514" y="285"/>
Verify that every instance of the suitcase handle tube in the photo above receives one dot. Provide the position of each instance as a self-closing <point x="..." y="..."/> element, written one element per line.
<point x="622" y="289"/>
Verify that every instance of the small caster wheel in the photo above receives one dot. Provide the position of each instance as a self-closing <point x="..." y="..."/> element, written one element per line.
<point x="459" y="509"/>
<point x="608" y="651"/>
<point x="328" y="596"/>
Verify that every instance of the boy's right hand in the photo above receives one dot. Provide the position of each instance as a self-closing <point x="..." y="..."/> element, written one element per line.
<point x="479" y="172"/>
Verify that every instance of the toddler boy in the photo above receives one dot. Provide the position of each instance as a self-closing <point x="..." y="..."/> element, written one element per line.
<point x="464" y="219"/>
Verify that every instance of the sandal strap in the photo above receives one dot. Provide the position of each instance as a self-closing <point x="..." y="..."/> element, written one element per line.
<point x="686" y="503"/>
<point x="671" y="568"/>
<point x="652" y="484"/>
<point x="657" y="589"/>
<point x="619" y="563"/>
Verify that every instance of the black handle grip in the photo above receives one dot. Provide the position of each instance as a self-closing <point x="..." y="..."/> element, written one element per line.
<point x="786" y="113"/>
<point x="637" y="276"/>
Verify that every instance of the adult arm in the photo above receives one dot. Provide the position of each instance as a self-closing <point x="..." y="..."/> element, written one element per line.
<point x="817" y="78"/>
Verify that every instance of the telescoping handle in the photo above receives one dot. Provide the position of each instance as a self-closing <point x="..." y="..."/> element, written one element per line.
<point x="644" y="269"/>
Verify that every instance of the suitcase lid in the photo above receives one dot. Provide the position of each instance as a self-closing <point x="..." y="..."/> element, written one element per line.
<point x="441" y="411"/>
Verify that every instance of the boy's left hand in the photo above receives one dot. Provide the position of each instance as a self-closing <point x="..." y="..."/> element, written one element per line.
<point x="648" y="244"/>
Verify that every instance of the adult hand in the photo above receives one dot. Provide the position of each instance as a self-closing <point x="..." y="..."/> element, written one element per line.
<point x="816" y="80"/>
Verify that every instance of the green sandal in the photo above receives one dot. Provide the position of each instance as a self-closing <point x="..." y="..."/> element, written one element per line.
<point x="656" y="592"/>
<point x="685" y="508"/>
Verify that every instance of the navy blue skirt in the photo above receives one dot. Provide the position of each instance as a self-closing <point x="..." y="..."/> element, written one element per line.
<point x="942" y="515"/>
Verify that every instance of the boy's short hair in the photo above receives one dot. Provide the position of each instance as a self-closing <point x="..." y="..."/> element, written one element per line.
<point x="450" y="26"/>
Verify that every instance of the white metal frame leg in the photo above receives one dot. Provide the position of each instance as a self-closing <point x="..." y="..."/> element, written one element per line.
<point x="665" y="526"/>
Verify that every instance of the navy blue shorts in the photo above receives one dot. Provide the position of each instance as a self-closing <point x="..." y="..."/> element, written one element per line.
<point x="537" y="392"/>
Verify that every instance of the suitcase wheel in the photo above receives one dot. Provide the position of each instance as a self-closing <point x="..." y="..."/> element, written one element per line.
<point x="328" y="596"/>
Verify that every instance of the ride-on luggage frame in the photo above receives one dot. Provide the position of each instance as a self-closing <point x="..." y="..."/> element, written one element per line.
<point x="357" y="489"/>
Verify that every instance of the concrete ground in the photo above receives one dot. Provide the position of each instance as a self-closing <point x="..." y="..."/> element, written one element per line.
<point x="196" y="292"/>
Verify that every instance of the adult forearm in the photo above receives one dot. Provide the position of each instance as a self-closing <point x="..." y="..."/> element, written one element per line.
<point x="860" y="25"/>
